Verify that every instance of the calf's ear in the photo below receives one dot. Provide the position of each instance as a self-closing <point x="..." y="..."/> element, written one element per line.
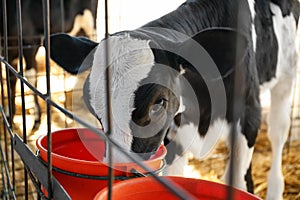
<point x="74" y="54"/>
<point x="225" y="46"/>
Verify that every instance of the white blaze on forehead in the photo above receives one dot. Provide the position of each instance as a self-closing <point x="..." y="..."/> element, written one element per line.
<point x="130" y="61"/>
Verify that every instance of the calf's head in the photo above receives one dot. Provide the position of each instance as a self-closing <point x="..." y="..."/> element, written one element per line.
<point x="145" y="83"/>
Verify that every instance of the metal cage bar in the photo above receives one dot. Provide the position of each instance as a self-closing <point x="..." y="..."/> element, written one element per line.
<point x="39" y="173"/>
<point x="31" y="165"/>
<point x="20" y="50"/>
<point x="34" y="167"/>
<point x="46" y="19"/>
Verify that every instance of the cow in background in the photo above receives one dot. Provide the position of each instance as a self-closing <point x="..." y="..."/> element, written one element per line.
<point x="74" y="16"/>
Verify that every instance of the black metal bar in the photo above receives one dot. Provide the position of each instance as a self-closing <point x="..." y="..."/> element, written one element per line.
<point x="7" y="184"/>
<point x="39" y="170"/>
<point x="6" y="168"/>
<point x="24" y="47"/>
<point x="11" y="37"/>
<point x="62" y="8"/>
<point x="10" y="96"/>
<point x="20" y="50"/>
<point x="3" y="164"/>
<point x="35" y="183"/>
<point x="292" y="114"/>
<point x="39" y="186"/>
<point x="5" y="36"/>
<point x="4" y="194"/>
<point x="46" y="17"/>
<point x="108" y="103"/>
<point x="62" y="15"/>
<point x="5" y="53"/>
<point x="66" y="96"/>
<point x="4" y="49"/>
<point x="12" y="163"/>
<point x="236" y="104"/>
<point x="62" y="21"/>
<point x="6" y="122"/>
<point x="5" y="173"/>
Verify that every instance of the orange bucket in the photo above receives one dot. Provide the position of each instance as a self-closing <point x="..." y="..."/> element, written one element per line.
<point x="76" y="159"/>
<point x="147" y="188"/>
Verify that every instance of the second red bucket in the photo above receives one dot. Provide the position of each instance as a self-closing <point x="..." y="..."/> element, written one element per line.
<point x="76" y="158"/>
<point x="147" y="188"/>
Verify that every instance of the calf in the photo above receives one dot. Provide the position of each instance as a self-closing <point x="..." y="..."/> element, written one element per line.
<point x="33" y="29"/>
<point x="194" y="76"/>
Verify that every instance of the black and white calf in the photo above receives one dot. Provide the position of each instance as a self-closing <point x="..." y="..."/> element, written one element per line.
<point x="195" y="74"/>
<point x="74" y="13"/>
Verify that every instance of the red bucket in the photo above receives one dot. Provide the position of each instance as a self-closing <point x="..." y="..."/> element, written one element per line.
<point x="147" y="188"/>
<point x="76" y="159"/>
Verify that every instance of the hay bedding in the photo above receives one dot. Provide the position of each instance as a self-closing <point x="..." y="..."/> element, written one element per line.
<point x="212" y="168"/>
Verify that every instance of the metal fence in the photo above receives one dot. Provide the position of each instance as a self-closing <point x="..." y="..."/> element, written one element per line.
<point x="23" y="173"/>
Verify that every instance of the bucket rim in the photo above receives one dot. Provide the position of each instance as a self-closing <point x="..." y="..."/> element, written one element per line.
<point x="43" y="150"/>
<point x="176" y="180"/>
<point x="135" y="173"/>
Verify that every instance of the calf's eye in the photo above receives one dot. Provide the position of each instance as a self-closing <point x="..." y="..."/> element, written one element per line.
<point x="158" y="106"/>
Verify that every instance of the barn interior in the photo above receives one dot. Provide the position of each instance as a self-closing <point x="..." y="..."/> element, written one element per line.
<point x="66" y="92"/>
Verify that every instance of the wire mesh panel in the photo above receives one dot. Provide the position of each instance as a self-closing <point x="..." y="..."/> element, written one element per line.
<point x="22" y="101"/>
<point x="39" y="98"/>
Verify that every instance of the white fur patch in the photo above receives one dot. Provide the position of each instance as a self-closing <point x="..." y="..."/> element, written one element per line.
<point x="200" y="147"/>
<point x="286" y="34"/>
<point x="130" y="60"/>
<point x="181" y="106"/>
<point x="218" y="130"/>
<point x="242" y="156"/>
<point x="268" y="85"/>
<point x="279" y="121"/>
<point x="84" y="21"/>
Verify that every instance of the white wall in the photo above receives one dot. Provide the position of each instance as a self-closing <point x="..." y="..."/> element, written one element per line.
<point x="131" y="14"/>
